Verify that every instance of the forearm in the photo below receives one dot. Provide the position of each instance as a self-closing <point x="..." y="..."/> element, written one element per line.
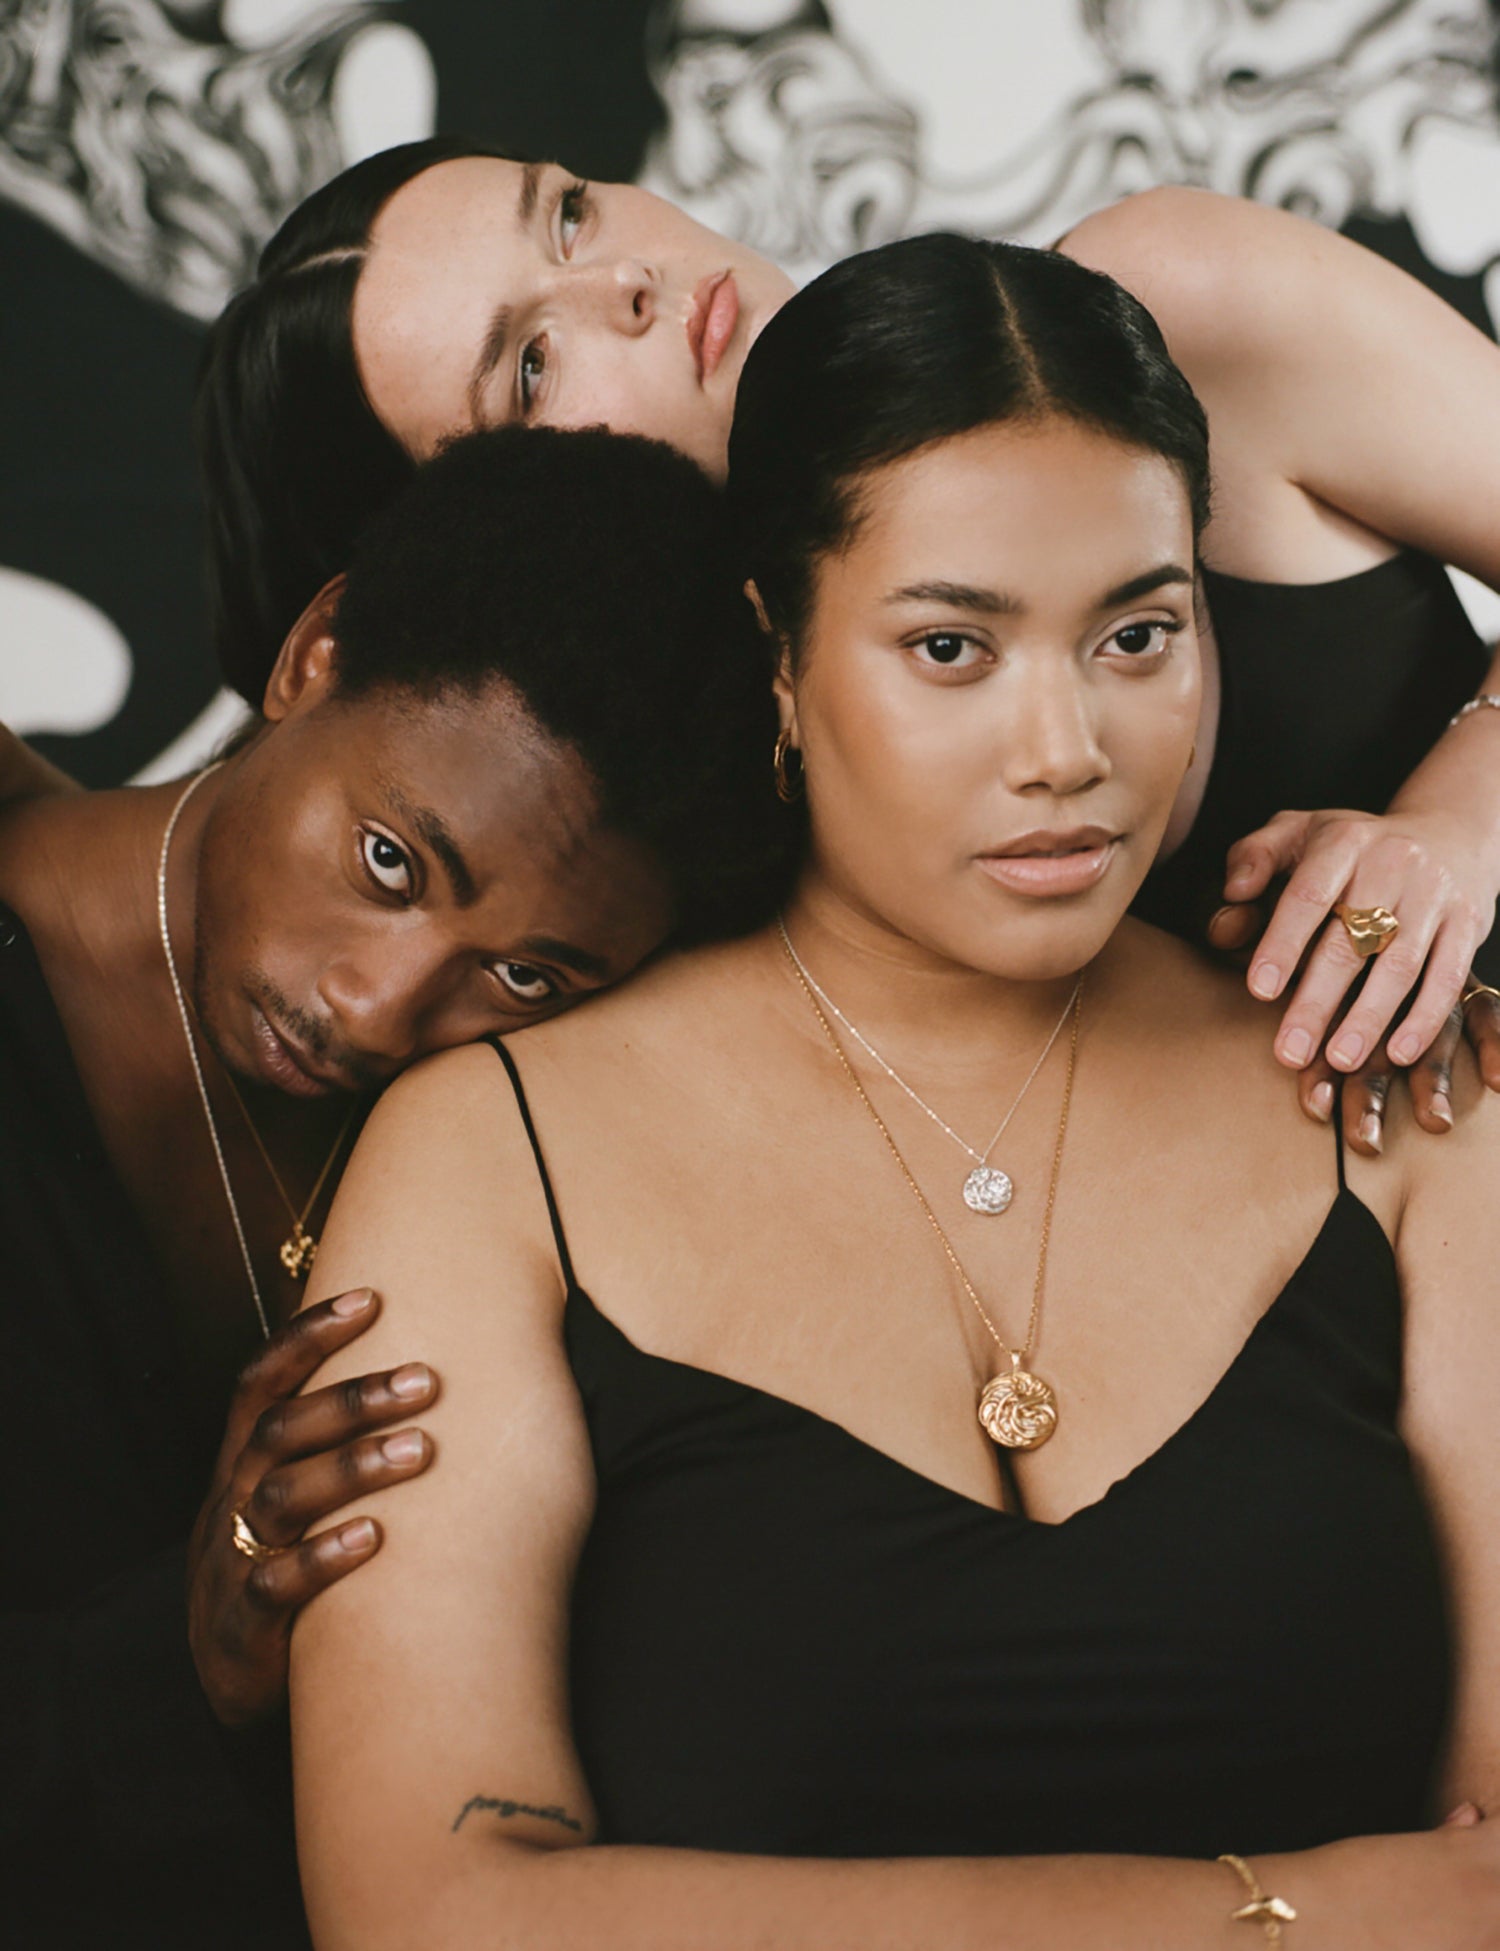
<point x="25" y="774"/>
<point x="1460" y="778"/>
<point x="524" y="1898"/>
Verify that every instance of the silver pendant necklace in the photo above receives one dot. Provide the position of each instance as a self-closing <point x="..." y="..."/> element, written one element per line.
<point x="987" y="1189"/>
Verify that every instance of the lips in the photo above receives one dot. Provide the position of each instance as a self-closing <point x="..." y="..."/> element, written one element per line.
<point x="286" y="1065"/>
<point x="1051" y="864"/>
<point x="711" y="321"/>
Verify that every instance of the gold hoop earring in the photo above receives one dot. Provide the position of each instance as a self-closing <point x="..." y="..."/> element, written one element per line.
<point x="788" y="789"/>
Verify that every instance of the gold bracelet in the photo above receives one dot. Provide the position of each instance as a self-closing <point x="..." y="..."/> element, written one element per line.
<point x="1273" y="1912"/>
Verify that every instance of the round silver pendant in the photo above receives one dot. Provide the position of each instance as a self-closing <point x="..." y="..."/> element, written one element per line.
<point x="988" y="1190"/>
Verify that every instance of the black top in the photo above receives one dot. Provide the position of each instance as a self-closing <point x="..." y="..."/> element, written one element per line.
<point x="126" y="1816"/>
<point x="1333" y="693"/>
<point x="785" y="1641"/>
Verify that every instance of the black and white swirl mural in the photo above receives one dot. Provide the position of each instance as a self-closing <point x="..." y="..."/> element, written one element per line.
<point x="148" y="148"/>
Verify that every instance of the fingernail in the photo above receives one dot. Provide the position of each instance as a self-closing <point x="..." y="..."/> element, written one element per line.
<point x="411" y="1381"/>
<point x="1405" y="1048"/>
<point x="1322" y="1100"/>
<point x="354" y="1303"/>
<point x="1465" y="1816"/>
<point x="358" y="1536"/>
<point x="404" y="1447"/>
<point x="1265" y="980"/>
<point x="1348" y="1052"/>
<point x="1369" y="1131"/>
<point x="1296" y="1047"/>
<point x="1441" y="1109"/>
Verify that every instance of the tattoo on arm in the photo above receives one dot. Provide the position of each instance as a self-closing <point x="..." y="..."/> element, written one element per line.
<point x="499" y="1806"/>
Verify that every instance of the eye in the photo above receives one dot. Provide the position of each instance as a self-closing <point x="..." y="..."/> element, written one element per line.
<point x="529" y="984"/>
<point x="949" y="650"/>
<point x="1142" y="640"/>
<point x="387" y="865"/>
<point x="572" y="212"/>
<point x="529" y="372"/>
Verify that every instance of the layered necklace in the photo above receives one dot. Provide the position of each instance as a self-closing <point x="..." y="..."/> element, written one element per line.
<point x="299" y="1249"/>
<point x="987" y="1189"/>
<point x="1016" y="1408"/>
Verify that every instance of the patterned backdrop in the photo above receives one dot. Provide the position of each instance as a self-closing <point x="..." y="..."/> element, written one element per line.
<point x="148" y="148"/>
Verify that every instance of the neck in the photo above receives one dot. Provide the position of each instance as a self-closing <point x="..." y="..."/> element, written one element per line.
<point x="910" y="995"/>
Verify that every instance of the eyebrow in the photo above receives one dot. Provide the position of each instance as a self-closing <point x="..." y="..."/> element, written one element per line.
<point x="497" y="335"/>
<point x="994" y="602"/>
<point x="431" y="828"/>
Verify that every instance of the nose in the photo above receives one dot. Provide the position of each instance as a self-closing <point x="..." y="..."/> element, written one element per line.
<point x="1051" y="735"/>
<point x="621" y="294"/>
<point x="380" y="996"/>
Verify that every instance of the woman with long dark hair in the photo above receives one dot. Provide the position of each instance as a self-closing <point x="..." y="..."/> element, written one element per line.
<point x="838" y="1540"/>
<point x="440" y="286"/>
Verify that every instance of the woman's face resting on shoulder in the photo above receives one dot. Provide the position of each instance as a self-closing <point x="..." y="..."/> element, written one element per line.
<point x="997" y="693"/>
<point x="496" y="291"/>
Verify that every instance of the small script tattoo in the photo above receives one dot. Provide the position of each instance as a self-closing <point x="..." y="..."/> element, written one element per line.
<point x="499" y="1806"/>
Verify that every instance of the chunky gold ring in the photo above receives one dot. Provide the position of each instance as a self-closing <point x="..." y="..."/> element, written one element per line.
<point x="245" y="1540"/>
<point x="1477" y="989"/>
<point x="1369" y="929"/>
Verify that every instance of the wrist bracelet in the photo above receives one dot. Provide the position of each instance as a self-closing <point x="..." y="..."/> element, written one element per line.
<point x="1272" y="1912"/>
<point x="1475" y="704"/>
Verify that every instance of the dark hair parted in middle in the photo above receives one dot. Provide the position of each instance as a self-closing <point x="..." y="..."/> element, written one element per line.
<point x="588" y="573"/>
<point x="921" y="341"/>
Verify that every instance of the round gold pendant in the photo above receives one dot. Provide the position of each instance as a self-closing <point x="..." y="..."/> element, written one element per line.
<point x="1018" y="1410"/>
<point x="298" y="1252"/>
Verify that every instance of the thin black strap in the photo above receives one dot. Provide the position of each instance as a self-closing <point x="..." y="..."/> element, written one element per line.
<point x="1338" y="1130"/>
<point x="565" y="1259"/>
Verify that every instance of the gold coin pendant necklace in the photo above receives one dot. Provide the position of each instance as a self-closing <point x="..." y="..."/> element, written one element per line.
<point x="987" y="1189"/>
<point x="1017" y="1409"/>
<point x="299" y="1249"/>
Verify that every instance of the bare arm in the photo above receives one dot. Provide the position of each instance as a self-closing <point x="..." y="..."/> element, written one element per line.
<point x="1340" y="392"/>
<point x="25" y="774"/>
<point x="459" y="1815"/>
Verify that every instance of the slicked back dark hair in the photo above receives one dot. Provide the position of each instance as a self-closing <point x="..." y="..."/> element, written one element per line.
<point x="588" y="572"/>
<point x="918" y="342"/>
<point x="292" y="457"/>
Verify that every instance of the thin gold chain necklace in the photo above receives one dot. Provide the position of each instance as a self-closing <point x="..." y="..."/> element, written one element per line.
<point x="299" y="1249"/>
<point x="1017" y="1410"/>
<point x="987" y="1189"/>
<point x="299" y="1243"/>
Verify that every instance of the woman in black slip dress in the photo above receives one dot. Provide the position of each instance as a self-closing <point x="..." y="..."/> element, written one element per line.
<point x="724" y="1620"/>
<point x="356" y="350"/>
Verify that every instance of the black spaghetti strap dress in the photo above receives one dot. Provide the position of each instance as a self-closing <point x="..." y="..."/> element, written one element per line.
<point x="785" y="1641"/>
<point x="1333" y="693"/>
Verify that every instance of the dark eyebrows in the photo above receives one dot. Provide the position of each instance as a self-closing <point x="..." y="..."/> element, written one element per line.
<point x="548" y="949"/>
<point x="492" y="346"/>
<point x="433" y="831"/>
<point x="1142" y="585"/>
<point x="960" y="596"/>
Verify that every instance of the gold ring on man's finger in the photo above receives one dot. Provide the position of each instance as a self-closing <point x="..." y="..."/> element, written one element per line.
<point x="245" y="1540"/>
<point x="1475" y="989"/>
<point x="1370" y="930"/>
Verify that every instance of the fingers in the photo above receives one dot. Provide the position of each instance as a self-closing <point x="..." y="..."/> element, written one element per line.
<point x="1431" y="1078"/>
<point x="294" y="1496"/>
<point x="293" y="1354"/>
<point x="1388" y="979"/>
<point x="332" y="1417"/>
<point x="1482" y="1027"/>
<point x="1275" y="848"/>
<point x="1316" y="1090"/>
<point x="1447" y="971"/>
<point x="1235" y="927"/>
<point x="1364" y="1100"/>
<point x="280" y="1586"/>
<point x="1306" y="901"/>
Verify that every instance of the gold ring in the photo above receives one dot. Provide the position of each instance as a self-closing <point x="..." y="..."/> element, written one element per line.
<point x="1369" y="929"/>
<point x="1477" y="989"/>
<point x="245" y="1540"/>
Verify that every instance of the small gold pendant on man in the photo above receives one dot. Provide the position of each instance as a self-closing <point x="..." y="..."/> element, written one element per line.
<point x="1018" y="1410"/>
<point x="298" y="1251"/>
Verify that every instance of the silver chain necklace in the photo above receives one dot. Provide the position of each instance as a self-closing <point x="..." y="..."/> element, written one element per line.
<point x="987" y="1189"/>
<point x="192" y="1047"/>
